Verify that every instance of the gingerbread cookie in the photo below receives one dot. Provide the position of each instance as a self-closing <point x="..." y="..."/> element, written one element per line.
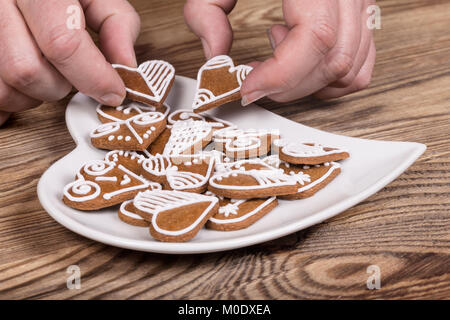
<point x="183" y="173"/>
<point x="188" y="137"/>
<point x="157" y="146"/>
<point x="100" y="184"/>
<point x="308" y="153"/>
<point x="135" y="133"/>
<point x="234" y="214"/>
<point x="310" y="179"/>
<point x="218" y="82"/>
<point x="242" y="144"/>
<point x="149" y="83"/>
<point x="183" y="115"/>
<point x="126" y="111"/>
<point x="129" y="159"/>
<point x="175" y="216"/>
<point x="250" y="179"/>
<point x="127" y="213"/>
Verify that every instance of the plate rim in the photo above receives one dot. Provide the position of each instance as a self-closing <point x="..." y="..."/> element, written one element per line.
<point x="224" y="244"/>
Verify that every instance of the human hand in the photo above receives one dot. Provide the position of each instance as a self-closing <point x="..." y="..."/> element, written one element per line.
<point x="41" y="58"/>
<point x="325" y="48"/>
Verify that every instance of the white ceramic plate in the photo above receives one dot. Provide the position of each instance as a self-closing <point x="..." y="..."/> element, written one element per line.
<point x="372" y="165"/>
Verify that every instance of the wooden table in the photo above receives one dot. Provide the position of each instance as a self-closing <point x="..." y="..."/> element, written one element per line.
<point x="404" y="228"/>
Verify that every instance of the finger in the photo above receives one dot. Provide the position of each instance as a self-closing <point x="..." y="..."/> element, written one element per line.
<point x="3" y="117"/>
<point x="12" y="100"/>
<point x="340" y="61"/>
<point x="208" y="20"/>
<point x="21" y="63"/>
<point x="361" y="55"/>
<point x="71" y="50"/>
<point x="310" y="38"/>
<point x="361" y="81"/>
<point x="118" y="26"/>
<point x="276" y="34"/>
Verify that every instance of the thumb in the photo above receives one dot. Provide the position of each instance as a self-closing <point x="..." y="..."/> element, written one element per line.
<point x="208" y="20"/>
<point x="266" y="77"/>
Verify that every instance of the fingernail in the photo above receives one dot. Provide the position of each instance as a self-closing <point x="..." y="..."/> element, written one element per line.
<point x="206" y="49"/>
<point x="269" y="35"/>
<point x="111" y="99"/>
<point x="252" y="97"/>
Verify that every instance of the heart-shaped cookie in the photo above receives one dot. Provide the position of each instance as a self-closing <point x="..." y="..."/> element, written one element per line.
<point x="218" y="82"/>
<point x="126" y="111"/>
<point x="100" y="184"/>
<point x="183" y="173"/>
<point x="135" y="133"/>
<point x="175" y="216"/>
<point x="149" y="83"/>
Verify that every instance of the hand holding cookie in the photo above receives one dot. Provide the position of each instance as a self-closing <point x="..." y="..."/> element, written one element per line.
<point x="325" y="48"/>
<point x="43" y="55"/>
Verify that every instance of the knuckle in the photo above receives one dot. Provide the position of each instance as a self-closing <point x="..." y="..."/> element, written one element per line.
<point x="362" y="82"/>
<point x="62" y="44"/>
<point x="22" y="72"/>
<point x="324" y="35"/>
<point x="340" y="65"/>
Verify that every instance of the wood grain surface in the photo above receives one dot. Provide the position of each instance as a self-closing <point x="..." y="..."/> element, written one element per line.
<point x="404" y="228"/>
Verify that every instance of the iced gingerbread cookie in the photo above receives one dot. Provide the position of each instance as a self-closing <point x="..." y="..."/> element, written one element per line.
<point x="183" y="115"/>
<point x="129" y="159"/>
<point x="183" y="173"/>
<point x="310" y="179"/>
<point x="149" y="83"/>
<point x="175" y="216"/>
<point x="157" y="146"/>
<point x="100" y="184"/>
<point x="250" y="179"/>
<point x="242" y="144"/>
<point x="135" y="133"/>
<point x="218" y="82"/>
<point x="126" y="111"/>
<point x="127" y="213"/>
<point x="188" y="137"/>
<point x="237" y="214"/>
<point x="307" y="153"/>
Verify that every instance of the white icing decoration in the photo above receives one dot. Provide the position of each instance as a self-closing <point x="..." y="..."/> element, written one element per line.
<point x="112" y="179"/>
<point x="333" y="166"/>
<point x="143" y="119"/>
<point x="238" y="140"/>
<point x="204" y="96"/>
<point x="245" y="216"/>
<point x="162" y="165"/>
<point x="157" y="74"/>
<point x="155" y="202"/>
<point x="302" y="149"/>
<point x="185" y="135"/>
<point x="187" y="114"/>
<point x="124" y="211"/>
<point x="263" y="179"/>
<point x="81" y="188"/>
<point x="230" y="208"/>
<point x="126" y="180"/>
<point x="125" y="109"/>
